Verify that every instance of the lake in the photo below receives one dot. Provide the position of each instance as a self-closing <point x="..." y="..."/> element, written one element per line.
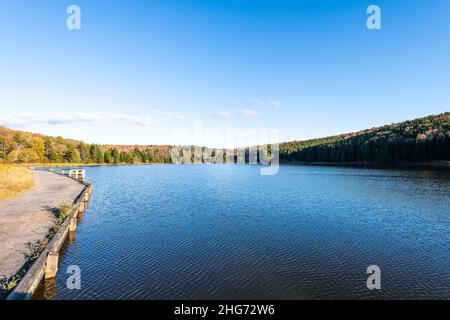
<point x="226" y="232"/>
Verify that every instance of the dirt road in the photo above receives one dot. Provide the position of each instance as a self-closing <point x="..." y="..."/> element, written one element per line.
<point x="26" y="220"/>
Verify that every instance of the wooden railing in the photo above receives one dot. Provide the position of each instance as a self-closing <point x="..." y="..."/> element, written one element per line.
<point x="77" y="174"/>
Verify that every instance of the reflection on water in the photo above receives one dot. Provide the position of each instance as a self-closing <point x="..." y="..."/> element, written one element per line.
<point x="225" y="232"/>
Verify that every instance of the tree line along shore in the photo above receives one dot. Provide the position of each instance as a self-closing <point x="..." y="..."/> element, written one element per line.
<point x="419" y="140"/>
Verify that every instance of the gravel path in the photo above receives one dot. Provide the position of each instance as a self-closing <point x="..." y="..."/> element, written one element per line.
<point x="26" y="220"/>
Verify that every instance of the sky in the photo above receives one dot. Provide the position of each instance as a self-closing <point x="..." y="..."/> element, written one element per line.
<point x="153" y="72"/>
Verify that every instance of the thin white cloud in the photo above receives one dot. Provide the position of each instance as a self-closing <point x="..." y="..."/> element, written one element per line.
<point x="176" y="116"/>
<point x="247" y="113"/>
<point x="96" y="118"/>
<point x="168" y="115"/>
<point x="270" y="103"/>
<point x="224" y="114"/>
<point x="254" y="101"/>
<point x="274" y="104"/>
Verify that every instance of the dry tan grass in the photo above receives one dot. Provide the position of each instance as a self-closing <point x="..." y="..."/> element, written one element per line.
<point x="14" y="180"/>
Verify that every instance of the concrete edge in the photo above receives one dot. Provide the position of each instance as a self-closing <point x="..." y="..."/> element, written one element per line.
<point x="46" y="265"/>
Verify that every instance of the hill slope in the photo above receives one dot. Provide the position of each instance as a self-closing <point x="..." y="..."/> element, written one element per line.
<point x="25" y="147"/>
<point x="423" y="139"/>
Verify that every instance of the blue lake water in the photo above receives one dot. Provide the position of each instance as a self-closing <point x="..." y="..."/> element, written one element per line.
<point x="226" y="232"/>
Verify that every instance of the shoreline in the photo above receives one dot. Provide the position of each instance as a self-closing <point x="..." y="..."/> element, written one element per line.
<point x="46" y="213"/>
<point x="374" y="165"/>
<point x="435" y="165"/>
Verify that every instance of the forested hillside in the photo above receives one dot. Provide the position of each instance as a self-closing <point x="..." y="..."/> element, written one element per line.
<point x="24" y="147"/>
<point x="419" y="140"/>
<point x="424" y="139"/>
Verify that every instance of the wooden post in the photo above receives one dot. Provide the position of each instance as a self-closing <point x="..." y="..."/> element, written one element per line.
<point x="72" y="237"/>
<point x="51" y="266"/>
<point x="81" y="207"/>
<point x="73" y="224"/>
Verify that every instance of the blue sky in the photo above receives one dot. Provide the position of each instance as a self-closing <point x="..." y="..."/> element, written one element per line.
<point x="138" y="70"/>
